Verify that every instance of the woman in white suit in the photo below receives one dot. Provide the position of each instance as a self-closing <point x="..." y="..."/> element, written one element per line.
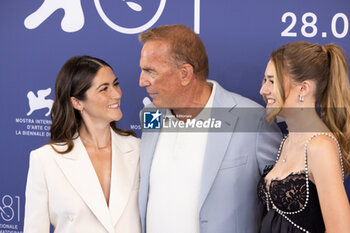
<point x="86" y="179"/>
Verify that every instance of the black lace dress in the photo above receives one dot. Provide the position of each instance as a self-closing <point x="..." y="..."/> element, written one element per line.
<point x="289" y="195"/>
<point x="292" y="204"/>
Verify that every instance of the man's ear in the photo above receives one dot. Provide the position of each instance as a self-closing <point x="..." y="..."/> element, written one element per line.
<point x="76" y="103"/>
<point x="186" y="74"/>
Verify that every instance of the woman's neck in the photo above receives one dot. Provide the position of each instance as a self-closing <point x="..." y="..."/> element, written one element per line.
<point x="95" y="135"/>
<point x="301" y="121"/>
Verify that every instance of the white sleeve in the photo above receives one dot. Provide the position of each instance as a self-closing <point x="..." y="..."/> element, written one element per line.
<point x="36" y="217"/>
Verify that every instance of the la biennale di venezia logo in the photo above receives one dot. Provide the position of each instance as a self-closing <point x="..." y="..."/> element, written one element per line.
<point x="39" y="102"/>
<point x="74" y="18"/>
<point x="35" y="121"/>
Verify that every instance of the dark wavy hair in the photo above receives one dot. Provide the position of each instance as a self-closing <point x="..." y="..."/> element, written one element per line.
<point x="73" y="80"/>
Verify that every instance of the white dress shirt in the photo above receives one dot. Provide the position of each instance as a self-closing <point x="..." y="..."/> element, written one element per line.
<point x="175" y="180"/>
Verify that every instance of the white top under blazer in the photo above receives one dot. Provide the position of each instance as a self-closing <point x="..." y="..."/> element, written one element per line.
<point x="64" y="190"/>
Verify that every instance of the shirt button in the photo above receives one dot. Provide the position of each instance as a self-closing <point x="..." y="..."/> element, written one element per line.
<point x="71" y="218"/>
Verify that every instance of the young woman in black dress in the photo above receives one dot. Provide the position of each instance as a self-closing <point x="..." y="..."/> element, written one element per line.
<point x="308" y="85"/>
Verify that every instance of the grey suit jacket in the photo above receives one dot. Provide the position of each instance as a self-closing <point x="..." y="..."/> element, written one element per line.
<point x="233" y="164"/>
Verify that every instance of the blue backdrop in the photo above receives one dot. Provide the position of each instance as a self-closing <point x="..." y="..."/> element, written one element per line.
<point x="38" y="36"/>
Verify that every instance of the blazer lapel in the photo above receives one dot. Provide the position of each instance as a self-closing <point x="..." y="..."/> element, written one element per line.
<point x="124" y="169"/>
<point x="78" y="169"/>
<point x="148" y="145"/>
<point x="218" y="142"/>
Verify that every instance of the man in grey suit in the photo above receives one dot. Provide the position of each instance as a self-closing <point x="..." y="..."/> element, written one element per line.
<point x="198" y="182"/>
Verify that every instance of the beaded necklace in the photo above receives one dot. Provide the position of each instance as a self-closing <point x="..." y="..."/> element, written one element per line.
<point x="285" y="213"/>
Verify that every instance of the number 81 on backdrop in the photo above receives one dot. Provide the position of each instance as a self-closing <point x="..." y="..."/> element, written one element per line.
<point x="10" y="208"/>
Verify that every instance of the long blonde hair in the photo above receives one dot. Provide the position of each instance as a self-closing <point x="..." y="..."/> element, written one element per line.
<point x="327" y="67"/>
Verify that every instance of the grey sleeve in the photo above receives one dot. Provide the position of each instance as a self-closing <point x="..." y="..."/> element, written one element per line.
<point x="267" y="143"/>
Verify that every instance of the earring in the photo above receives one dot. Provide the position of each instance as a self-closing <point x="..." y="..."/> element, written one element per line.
<point x="301" y="98"/>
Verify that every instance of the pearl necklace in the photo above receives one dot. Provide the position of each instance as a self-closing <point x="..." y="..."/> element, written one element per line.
<point x="268" y="196"/>
<point x="280" y="148"/>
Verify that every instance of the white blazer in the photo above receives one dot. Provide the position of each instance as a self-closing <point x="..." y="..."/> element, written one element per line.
<point x="64" y="190"/>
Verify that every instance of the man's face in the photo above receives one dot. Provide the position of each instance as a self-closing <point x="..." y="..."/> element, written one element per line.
<point x="160" y="75"/>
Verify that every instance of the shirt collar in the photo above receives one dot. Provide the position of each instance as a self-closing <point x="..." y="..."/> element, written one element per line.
<point x="206" y="111"/>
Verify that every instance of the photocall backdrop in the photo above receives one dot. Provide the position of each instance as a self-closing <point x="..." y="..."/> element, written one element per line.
<point x="38" y="36"/>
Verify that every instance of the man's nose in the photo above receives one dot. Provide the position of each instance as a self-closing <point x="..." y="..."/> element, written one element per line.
<point x="143" y="81"/>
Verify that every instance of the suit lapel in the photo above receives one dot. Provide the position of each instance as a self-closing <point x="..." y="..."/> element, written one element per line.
<point x="148" y="145"/>
<point x="78" y="169"/>
<point x="124" y="169"/>
<point x="217" y="143"/>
